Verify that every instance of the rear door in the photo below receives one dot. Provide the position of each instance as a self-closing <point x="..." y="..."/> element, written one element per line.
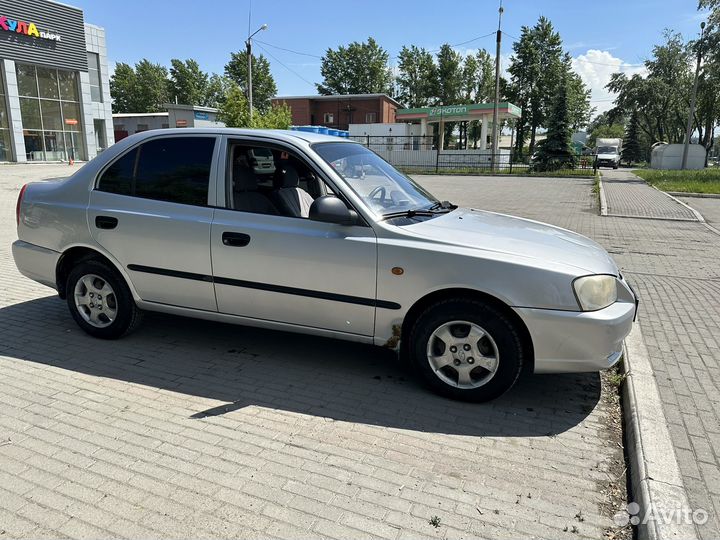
<point x="151" y="209"/>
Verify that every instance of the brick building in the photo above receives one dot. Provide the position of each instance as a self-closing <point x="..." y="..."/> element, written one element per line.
<point x="339" y="111"/>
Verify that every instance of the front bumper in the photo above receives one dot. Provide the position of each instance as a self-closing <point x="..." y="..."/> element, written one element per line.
<point x="575" y="341"/>
<point x="35" y="262"/>
<point x="606" y="163"/>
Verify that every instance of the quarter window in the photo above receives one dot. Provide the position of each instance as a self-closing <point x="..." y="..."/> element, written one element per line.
<point x="118" y="177"/>
<point x="166" y="169"/>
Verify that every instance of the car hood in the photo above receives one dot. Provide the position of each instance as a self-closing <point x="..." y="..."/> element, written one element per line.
<point x="490" y="232"/>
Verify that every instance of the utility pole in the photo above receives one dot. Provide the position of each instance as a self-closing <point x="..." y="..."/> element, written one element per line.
<point x="248" y="48"/>
<point x="691" y="114"/>
<point x="497" y="91"/>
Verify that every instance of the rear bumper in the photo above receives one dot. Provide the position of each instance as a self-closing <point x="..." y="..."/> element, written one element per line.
<point x="572" y="341"/>
<point x="35" y="262"/>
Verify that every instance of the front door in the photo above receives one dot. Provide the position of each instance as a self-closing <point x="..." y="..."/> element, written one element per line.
<point x="271" y="262"/>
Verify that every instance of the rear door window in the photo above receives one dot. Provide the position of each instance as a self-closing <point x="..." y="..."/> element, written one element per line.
<point x="171" y="169"/>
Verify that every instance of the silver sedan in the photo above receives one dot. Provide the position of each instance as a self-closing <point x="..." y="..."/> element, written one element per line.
<point x="323" y="237"/>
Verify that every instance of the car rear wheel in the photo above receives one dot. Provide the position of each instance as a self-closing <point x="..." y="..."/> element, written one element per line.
<point x="100" y="301"/>
<point x="466" y="349"/>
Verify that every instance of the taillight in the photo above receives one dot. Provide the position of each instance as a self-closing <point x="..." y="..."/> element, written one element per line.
<point x="19" y="202"/>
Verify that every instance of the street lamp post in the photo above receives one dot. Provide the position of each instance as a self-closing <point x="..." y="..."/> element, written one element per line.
<point x="495" y="134"/>
<point x="686" y="147"/>
<point x="248" y="46"/>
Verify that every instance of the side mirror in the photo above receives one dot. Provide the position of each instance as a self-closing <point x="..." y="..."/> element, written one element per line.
<point x="329" y="209"/>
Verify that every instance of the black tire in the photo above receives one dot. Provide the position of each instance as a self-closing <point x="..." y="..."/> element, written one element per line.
<point x="504" y="334"/>
<point x="127" y="316"/>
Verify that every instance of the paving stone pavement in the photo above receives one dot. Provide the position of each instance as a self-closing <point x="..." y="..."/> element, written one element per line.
<point x="193" y="429"/>
<point x="628" y="195"/>
<point x="674" y="267"/>
<point x="708" y="207"/>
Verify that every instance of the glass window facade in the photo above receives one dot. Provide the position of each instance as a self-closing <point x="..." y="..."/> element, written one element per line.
<point x="93" y="60"/>
<point x="5" y="144"/>
<point x="51" y="113"/>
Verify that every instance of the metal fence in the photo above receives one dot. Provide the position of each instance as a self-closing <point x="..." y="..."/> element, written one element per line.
<point x="420" y="154"/>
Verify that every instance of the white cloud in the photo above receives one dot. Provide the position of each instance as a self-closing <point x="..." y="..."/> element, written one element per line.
<point x="595" y="68"/>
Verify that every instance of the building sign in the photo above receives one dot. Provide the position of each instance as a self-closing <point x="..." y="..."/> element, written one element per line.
<point x="181" y="123"/>
<point x="471" y="111"/>
<point x="450" y="110"/>
<point x="43" y="33"/>
<point x="201" y="115"/>
<point x="28" y="29"/>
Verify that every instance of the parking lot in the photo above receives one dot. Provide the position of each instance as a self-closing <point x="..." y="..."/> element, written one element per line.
<point x="193" y="429"/>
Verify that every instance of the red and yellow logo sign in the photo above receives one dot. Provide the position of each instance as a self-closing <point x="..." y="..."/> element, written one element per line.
<point x="25" y="28"/>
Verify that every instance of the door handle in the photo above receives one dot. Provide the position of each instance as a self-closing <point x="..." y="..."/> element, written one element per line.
<point x="106" y="222"/>
<point x="234" y="239"/>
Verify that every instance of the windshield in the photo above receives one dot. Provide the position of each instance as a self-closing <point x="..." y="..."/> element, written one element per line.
<point x="607" y="150"/>
<point x="383" y="188"/>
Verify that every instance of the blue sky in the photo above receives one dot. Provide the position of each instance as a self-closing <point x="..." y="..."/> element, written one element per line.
<point x="602" y="36"/>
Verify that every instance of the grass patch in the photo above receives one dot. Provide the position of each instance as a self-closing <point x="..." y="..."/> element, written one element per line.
<point x="702" y="181"/>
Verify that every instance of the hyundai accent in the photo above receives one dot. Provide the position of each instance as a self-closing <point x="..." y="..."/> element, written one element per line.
<point x="276" y="229"/>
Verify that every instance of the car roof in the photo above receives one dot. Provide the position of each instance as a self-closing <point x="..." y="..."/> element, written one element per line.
<point x="280" y="134"/>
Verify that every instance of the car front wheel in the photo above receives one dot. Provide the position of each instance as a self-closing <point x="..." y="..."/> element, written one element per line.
<point x="100" y="300"/>
<point x="466" y="349"/>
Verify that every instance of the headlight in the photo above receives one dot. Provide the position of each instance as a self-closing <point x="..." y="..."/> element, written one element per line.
<point x="595" y="292"/>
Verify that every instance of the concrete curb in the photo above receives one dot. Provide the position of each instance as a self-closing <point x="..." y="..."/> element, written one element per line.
<point x="694" y="195"/>
<point x="655" y="477"/>
<point x="603" y="200"/>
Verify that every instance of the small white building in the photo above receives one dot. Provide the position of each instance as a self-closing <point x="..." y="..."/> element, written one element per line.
<point x="181" y="116"/>
<point x="669" y="156"/>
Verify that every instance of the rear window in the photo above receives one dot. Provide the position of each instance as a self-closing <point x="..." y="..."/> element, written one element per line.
<point x="166" y="169"/>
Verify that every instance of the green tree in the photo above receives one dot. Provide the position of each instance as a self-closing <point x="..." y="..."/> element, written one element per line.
<point x="234" y="108"/>
<point x="416" y="80"/>
<point x="263" y="83"/>
<point x="555" y="151"/>
<point x="538" y="68"/>
<point x="478" y="86"/>
<point x="188" y="83"/>
<point x="579" y="107"/>
<point x="707" y="114"/>
<point x="449" y="75"/>
<point x="524" y="72"/>
<point x="234" y="112"/>
<point x="358" y="68"/>
<point x="141" y="89"/>
<point x="276" y="117"/>
<point x="660" y="99"/>
<point x="714" y="7"/>
<point x="449" y="83"/>
<point x="122" y="88"/>
<point x="216" y="90"/>
<point x="151" y="86"/>
<point x="632" y="149"/>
